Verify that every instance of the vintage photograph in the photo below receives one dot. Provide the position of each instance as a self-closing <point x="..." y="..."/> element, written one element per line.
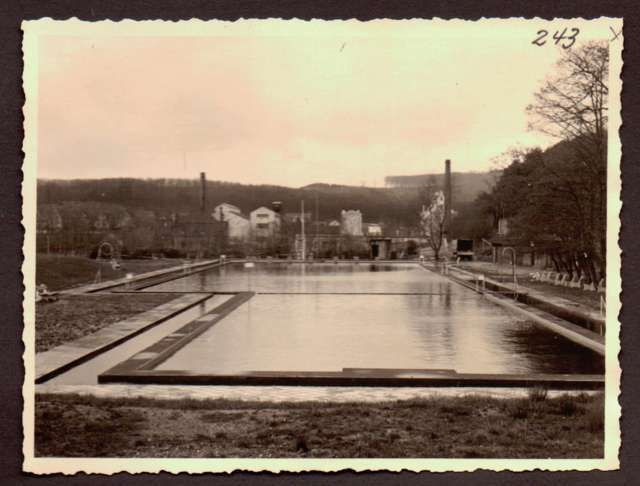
<point x="294" y="245"/>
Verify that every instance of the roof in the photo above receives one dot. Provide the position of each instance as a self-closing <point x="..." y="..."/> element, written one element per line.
<point x="263" y="208"/>
<point x="541" y="241"/>
<point x="230" y="206"/>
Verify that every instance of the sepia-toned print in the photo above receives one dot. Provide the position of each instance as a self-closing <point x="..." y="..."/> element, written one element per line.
<point x="309" y="245"/>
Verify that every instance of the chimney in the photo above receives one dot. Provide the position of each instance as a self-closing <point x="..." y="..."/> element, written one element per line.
<point x="203" y="191"/>
<point x="447" y="197"/>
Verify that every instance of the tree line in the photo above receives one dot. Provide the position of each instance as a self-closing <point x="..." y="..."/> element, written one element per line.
<point x="166" y="196"/>
<point x="555" y="199"/>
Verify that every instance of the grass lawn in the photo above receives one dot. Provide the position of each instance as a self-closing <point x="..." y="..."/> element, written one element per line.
<point x="74" y="316"/>
<point x="451" y="427"/>
<point x="59" y="272"/>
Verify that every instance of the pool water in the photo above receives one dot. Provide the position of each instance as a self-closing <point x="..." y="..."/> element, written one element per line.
<point x="326" y="317"/>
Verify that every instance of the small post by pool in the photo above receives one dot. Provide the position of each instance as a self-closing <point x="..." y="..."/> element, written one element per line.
<point x="480" y="284"/>
<point x="513" y="265"/>
<point x="247" y="267"/>
<point x="304" y="239"/>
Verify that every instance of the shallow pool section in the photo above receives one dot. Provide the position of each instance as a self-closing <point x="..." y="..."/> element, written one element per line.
<point x="326" y="317"/>
<point x="87" y="373"/>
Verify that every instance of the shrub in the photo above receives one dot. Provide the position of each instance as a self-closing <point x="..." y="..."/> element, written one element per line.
<point x="173" y="253"/>
<point x="140" y="253"/>
<point x="519" y="409"/>
<point x="595" y="419"/>
<point x="479" y="438"/>
<point x="455" y="409"/>
<point x="538" y="394"/>
<point x="568" y="408"/>
<point x="393" y="435"/>
<point x="301" y="444"/>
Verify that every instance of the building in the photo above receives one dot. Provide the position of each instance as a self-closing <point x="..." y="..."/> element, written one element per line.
<point x="264" y="223"/>
<point x="351" y="222"/>
<point x="373" y="229"/>
<point x="296" y="217"/>
<point x="192" y="234"/>
<point x="225" y="210"/>
<point x="238" y="227"/>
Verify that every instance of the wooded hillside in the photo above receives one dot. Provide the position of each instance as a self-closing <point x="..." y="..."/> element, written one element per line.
<point x="166" y="196"/>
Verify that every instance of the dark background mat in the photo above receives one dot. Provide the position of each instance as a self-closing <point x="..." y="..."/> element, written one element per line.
<point x="11" y="232"/>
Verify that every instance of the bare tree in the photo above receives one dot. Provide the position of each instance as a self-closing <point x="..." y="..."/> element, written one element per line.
<point x="573" y="103"/>
<point x="572" y="106"/>
<point x="432" y="218"/>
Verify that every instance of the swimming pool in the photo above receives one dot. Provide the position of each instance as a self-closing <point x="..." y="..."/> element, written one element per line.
<point x="330" y="317"/>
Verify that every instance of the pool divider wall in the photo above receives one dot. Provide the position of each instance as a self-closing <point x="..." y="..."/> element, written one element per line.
<point x="377" y="378"/>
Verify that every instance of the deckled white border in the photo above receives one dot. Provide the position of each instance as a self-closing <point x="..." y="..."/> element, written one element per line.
<point x="34" y="29"/>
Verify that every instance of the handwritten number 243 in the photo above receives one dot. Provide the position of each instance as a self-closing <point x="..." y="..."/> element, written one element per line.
<point x="569" y="40"/>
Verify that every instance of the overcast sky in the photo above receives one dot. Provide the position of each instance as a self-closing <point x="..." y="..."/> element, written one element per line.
<point x="287" y="104"/>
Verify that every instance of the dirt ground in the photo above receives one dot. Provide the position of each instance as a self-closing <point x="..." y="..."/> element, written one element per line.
<point x="75" y="316"/>
<point x="533" y="427"/>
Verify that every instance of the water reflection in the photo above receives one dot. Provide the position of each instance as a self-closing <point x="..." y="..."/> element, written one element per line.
<point x="543" y="348"/>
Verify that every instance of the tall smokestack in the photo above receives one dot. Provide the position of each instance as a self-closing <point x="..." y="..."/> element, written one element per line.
<point x="447" y="197"/>
<point x="203" y="191"/>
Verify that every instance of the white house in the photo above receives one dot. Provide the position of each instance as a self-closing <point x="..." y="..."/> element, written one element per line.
<point x="238" y="226"/>
<point x="265" y="222"/>
<point x="225" y="209"/>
